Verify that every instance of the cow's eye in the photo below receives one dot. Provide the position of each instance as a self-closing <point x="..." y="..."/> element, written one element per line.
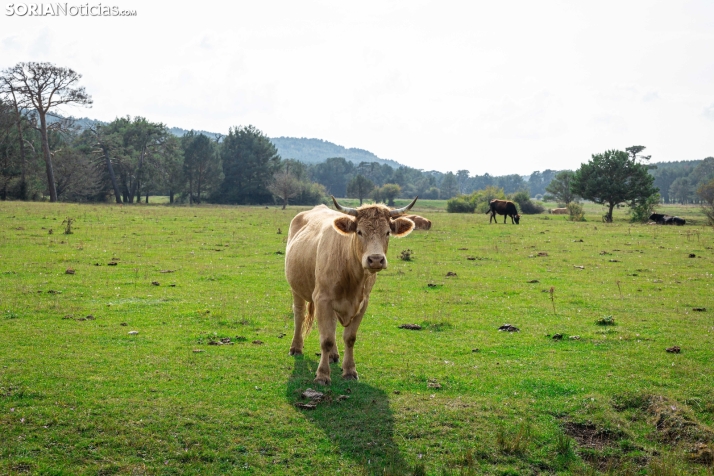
<point x="387" y="233"/>
<point x="359" y="232"/>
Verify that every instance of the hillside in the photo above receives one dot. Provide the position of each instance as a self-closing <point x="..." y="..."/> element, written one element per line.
<point x="312" y="151"/>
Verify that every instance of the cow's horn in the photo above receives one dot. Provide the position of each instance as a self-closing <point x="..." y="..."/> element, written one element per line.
<point x="347" y="210"/>
<point x="401" y="211"/>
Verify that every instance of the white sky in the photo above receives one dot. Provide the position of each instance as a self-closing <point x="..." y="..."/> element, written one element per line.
<point x="498" y="86"/>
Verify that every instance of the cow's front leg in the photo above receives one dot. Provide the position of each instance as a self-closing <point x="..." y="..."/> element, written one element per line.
<point x="335" y="354"/>
<point x="349" y="337"/>
<point x="327" y="324"/>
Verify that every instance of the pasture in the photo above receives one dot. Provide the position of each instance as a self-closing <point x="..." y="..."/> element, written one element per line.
<point x="79" y="394"/>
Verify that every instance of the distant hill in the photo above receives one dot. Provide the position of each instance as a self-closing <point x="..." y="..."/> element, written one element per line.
<point x="313" y="151"/>
<point x="309" y="151"/>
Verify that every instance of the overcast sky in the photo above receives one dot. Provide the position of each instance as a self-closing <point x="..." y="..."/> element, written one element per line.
<point x="497" y="87"/>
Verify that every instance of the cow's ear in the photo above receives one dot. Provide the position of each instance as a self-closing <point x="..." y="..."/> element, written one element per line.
<point x="344" y="225"/>
<point x="401" y="226"/>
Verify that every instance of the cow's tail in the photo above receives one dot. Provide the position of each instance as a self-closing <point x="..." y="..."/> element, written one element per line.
<point x="309" y="319"/>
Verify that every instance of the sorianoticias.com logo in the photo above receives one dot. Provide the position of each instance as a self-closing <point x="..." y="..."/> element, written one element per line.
<point x="65" y="10"/>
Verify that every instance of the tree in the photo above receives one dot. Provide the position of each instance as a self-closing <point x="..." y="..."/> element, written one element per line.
<point x="635" y="150"/>
<point x="449" y="186"/>
<point x="45" y="86"/>
<point x="201" y="164"/>
<point x="9" y="96"/>
<point x="334" y="173"/>
<point x="559" y="189"/>
<point x="706" y="194"/>
<point x="285" y="186"/>
<point x="612" y="178"/>
<point x="703" y="172"/>
<point x="462" y="176"/>
<point x="387" y="193"/>
<point x="681" y="190"/>
<point x="137" y="147"/>
<point x="359" y="187"/>
<point x="249" y="162"/>
<point x="527" y="207"/>
<point x="538" y="181"/>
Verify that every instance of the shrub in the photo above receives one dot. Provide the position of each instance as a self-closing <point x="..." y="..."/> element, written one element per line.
<point x="477" y="201"/>
<point x="576" y="212"/>
<point x="527" y="207"/>
<point x="460" y="204"/>
<point x="640" y="211"/>
<point x="311" y="193"/>
<point x="606" y="321"/>
<point x="406" y="255"/>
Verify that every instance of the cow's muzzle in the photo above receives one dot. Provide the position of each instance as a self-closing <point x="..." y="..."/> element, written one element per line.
<point x="376" y="262"/>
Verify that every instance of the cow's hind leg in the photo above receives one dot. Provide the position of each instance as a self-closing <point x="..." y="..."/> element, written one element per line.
<point x="327" y="324"/>
<point x="299" y="306"/>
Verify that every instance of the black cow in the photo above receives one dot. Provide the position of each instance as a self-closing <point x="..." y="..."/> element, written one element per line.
<point x="505" y="208"/>
<point x="661" y="219"/>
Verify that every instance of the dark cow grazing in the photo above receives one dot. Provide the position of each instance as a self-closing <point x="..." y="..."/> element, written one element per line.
<point x="420" y="223"/>
<point x="331" y="263"/>
<point x="661" y="219"/>
<point x="505" y="208"/>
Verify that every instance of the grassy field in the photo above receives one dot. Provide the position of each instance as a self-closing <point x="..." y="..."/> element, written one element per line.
<point x="79" y="394"/>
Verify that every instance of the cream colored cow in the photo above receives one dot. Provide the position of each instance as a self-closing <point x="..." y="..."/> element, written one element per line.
<point x="331" y="263"/>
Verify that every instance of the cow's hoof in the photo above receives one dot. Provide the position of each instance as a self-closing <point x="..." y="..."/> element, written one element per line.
<point x="334" y="358"/>
<point x="350" y="376"/>
<point x="294" y="351"/>
<point x="323" y="380"/>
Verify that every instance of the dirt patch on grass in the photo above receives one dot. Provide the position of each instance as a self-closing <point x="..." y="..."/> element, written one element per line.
<point x="588" y="435"/>
<point x="675" y="422"/>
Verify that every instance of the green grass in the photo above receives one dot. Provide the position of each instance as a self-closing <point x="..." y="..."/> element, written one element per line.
<point x="85" y="397"/>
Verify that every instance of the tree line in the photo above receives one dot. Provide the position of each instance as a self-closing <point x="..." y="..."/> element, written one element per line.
<point x="43" y="155"/>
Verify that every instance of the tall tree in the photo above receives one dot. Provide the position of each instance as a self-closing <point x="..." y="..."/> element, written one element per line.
<point x="462" y="177"/>
<point x="634" y="153"/>
<point x="45" y="86"/>
<point x="107" y="141"/>
<point x="201" y="164"/>
<point x="538" y="181"/>
<point x="706" y="194"/>
<point x="9" y="95"/>
<point x="359" y="187"/>
<point x="334" y="174"/>
<point x="681" y="190"/>
<point x="559" y="189"/>
<point x="612" y="178"/>
<point x="449" y="186"/>
<point x="249" y="161"/>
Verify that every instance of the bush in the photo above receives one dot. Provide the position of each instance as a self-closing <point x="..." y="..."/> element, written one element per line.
<point x="460" y="204"/>
<point x="527" y="207"/>
<point x="311" y="193"/>
<point x="576" y="212"/>
<point x="640" y="211"/>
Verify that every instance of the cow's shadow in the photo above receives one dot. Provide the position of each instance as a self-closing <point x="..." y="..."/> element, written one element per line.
<point x="361" y="426"/>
